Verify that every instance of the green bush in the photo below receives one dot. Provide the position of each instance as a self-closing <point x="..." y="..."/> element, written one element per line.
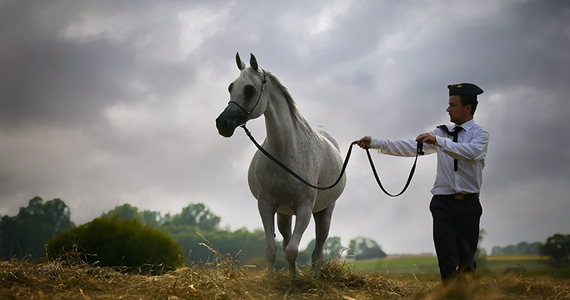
<point x="114" y="242"/>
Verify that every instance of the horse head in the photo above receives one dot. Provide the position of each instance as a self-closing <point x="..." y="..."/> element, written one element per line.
<point x="246" y="101"/>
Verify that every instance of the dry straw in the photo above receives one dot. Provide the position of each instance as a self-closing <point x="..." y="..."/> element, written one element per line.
<point x="69" y="277"/>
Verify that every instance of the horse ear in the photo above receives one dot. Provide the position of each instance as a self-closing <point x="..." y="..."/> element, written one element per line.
<point x="240" y="63"/>
<point x="253" y="62"/>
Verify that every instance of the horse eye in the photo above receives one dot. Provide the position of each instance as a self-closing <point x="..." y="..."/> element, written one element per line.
<point x="230" y="87"/>
<point x="249" y="90"/>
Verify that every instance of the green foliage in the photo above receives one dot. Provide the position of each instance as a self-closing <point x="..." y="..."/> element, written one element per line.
<point x="196" y="215"/>
<point x="522" y="248"/>
<point x="557" y="247"/>
<point x="364" y="248"/>
<point x="303" y="258"/>
<point x="332" y="249"/>
<point x="115" y="242"/>
<point x="123" y="212"/>
<point x="153" y="218"/>
<point x="240" y="244"/>
<point x="25" y="234"/>
<point x="129" y="212"/>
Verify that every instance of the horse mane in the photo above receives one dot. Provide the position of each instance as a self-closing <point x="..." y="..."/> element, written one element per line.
<point x="298" y="119"/>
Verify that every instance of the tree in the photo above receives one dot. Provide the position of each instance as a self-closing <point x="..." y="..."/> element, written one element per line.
<point x="57" y="214"/>
<point x="522" y="248"/>
<point x="25" y="234"/>
<point x="557" y="247"/>
<point x="332" y="248"/>
<point x="129" y="212"/>
<point x="510" y="250"/>
<point x="201" y="248"/>
<point x="365" y="248"/>
<point x="123" y="212"/>
<point x="117" y="242"/>
<point x="241" y="244"/>
<point x="533" y="249"/>
<point x="152" y="218"/>
<point x="197" y="215"/>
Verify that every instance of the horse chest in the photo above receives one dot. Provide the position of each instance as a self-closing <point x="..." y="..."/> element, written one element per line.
<point x="268" y="182"/>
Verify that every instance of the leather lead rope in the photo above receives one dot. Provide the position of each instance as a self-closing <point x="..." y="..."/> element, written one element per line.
<point x="419" y="151"/>
<point x="284" y="167"/>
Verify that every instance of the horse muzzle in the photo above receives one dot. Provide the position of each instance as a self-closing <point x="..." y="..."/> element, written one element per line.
<point x="229" y="120"/>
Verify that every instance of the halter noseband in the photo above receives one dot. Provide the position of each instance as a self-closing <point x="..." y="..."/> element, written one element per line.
<point x="258" y="98"/>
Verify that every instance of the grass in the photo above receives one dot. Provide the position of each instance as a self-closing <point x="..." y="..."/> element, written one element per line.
<point x="397" y="266"/>
<point x="70" y="278"/>
<point x="426" y="266"/>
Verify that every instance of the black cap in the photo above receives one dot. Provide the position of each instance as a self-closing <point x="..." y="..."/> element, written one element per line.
<point x="467" y="89"/>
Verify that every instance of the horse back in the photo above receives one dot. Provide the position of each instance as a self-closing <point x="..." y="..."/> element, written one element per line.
<point x="322" y="130"/>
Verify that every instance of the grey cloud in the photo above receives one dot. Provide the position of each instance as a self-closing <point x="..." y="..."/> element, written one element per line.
<point x="119" y="100"/>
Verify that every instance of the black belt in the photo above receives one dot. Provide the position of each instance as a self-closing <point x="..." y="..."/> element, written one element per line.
<point x="460" y="196"/>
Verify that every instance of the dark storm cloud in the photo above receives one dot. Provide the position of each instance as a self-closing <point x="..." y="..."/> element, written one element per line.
<point x="530" y="50"/>
<point x="51" y="78"/>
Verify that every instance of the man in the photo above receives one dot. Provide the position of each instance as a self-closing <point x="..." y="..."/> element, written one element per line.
<point x="455" y="206"/>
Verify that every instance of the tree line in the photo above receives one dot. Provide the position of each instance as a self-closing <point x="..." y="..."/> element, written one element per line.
<point x="522" y="248"/>
<point x="127" y="236"/>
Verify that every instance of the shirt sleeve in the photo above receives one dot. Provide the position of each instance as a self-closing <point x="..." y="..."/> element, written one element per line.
<point x="406" y="147"/>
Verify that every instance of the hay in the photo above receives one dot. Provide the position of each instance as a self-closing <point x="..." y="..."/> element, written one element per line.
<point x="70" y="277"/>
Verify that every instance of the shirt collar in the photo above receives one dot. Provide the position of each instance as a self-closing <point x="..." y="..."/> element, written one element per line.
<point x="467" y="125"/>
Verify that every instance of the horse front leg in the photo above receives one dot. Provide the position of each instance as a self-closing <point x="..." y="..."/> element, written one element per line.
<point x="267" y="213"/>
<point x="303" y="217"/>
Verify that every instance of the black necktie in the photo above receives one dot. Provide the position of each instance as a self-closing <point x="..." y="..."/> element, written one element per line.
<point x="455" y="135"/>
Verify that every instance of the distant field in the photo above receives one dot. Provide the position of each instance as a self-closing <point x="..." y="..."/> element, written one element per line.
<point x="529" y="265"/>
<point x="406" y="265"/>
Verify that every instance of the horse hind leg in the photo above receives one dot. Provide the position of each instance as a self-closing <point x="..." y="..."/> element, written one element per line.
<point x="322" y="226"/>
<point x="284" y="224"/>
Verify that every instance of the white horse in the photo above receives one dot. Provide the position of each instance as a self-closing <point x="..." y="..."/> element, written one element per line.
<point x="314" y="155"/>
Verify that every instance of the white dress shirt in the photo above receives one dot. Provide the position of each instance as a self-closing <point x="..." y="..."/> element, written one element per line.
<point x="470" y="149"/>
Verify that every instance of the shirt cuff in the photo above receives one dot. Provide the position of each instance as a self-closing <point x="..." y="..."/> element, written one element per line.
<point x="375" y="143"/>
<point x="439" y="141"/>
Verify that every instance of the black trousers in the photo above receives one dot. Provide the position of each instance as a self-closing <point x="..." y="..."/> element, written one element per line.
<point x="455" y="233"/>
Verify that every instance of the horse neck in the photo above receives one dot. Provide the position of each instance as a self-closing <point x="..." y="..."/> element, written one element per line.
<point x="284" y="131"/>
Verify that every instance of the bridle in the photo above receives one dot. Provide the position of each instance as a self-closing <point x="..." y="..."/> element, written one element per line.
<point x="258" y="98"/>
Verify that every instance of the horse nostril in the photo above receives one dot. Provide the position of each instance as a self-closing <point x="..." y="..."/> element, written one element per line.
<point x="221" y="123"/>
<point x="224" y="127"/>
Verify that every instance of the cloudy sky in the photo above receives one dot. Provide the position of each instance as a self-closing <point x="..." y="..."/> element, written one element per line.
<point x="111" y="102"/>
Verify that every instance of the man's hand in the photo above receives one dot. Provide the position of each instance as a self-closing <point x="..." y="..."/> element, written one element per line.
<point x="426" y="138"/>
<point x="364" y="142"/>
